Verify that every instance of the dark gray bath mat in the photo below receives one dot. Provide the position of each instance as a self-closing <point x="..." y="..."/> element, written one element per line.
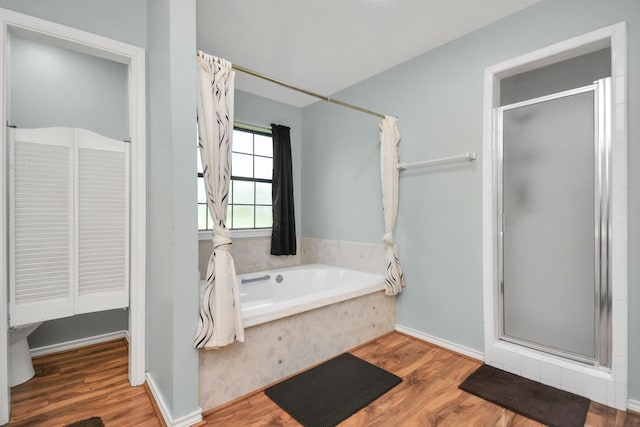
<point x="532" y="399"/>
<point x="89" y="422"/>
<point x="333" y="391"/>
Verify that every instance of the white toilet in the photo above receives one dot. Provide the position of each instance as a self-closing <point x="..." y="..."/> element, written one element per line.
<point x="20" y="365"/>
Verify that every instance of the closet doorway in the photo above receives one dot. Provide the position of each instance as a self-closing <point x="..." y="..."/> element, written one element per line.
<point x="132" y="58"/>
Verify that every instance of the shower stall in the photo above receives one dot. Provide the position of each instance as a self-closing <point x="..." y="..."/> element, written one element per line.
<point x="555" y="216"/>
<point x="554" y="155"/>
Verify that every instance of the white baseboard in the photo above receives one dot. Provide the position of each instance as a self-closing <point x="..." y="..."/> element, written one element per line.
<point x="633" y="405"/>
<point x="82" y="342"/>
<point x="187" y="420"/>
<point x="475" y="354"/>
<point x="157" y="396"/>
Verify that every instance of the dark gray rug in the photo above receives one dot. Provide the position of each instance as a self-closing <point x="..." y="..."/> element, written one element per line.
<point x="540" y="402"/>
<point x="89" y="422"/>
<point x="333" y="391"/>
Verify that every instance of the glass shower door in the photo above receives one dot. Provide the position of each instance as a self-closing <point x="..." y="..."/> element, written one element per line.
<point x="551" y="220"/>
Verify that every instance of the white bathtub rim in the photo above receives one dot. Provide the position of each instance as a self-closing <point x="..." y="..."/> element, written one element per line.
<point x="304" y="267"/>
<point x="307" y="302"/>
<point x="301" y="305"/>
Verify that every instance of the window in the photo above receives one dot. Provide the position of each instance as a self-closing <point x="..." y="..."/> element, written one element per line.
<point x="251" y="176"/>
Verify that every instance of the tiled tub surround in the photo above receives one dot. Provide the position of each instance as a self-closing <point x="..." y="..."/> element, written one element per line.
<point x="252" y="254"/>
<point x="367" y="257"/>
<point x="289" y="344"/>
<point x="249" y="254"/>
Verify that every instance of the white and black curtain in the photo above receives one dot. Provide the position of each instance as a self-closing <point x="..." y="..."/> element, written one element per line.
<point x="389" y="140"/>
<point x="283" y="236"/>
<point x="220" y="321"/>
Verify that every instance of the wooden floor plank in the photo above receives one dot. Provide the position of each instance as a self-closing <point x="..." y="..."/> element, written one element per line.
<point x="93" y="381"/>
<point x="428" y="396"/>
<point x="79" y="384"/>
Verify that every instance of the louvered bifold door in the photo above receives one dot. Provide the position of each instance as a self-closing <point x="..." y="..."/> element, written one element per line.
<point x="40" y="224"/>
<point x="103" y="222"/>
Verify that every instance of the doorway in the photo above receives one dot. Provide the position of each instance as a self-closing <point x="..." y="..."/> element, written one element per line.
<point x="133" y="58"/>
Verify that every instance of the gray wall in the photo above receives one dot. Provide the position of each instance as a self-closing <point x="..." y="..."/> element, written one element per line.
<point x="79" y="327"/>
<point x="438" y="99"/>
<point x="123" y="20"/>
<point x="172" y="245"/>
<point x="51" y="86"/>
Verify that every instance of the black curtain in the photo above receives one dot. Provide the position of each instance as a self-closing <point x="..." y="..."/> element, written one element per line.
<point x="283" y="238"/>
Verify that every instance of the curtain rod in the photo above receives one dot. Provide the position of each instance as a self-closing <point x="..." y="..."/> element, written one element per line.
<point x="305" y="91"/>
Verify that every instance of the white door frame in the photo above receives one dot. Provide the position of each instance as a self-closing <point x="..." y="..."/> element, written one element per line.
<point x="134" y="58"/>
<point x="607" y="386"/>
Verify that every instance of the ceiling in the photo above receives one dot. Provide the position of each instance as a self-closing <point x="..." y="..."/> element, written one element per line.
<point x="326" y="46"/>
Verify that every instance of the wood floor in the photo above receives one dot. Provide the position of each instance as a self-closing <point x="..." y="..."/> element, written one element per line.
<point x="79" y="384"/>
<point x="88" y="382"/>
<point x="428" y="395"/>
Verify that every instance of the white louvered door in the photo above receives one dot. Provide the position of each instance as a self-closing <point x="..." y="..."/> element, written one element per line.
<point x="41" y="224"/>
<point x="103" y="222"/>
<point x="69" y="198"/>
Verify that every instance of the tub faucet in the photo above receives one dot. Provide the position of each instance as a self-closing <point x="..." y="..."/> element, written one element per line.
<point x="255" y="279"/>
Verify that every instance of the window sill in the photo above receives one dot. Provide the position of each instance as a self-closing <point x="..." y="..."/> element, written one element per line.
<point x="238" y="234"/>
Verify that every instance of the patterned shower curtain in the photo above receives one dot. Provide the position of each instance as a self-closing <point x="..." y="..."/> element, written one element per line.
<point x="220" y="321"/>
<point x="389" y="140"/>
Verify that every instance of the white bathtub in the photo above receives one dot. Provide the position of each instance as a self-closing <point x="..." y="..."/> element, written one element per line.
<point x="314" y="314"/>
<point x="294" y="290"/>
